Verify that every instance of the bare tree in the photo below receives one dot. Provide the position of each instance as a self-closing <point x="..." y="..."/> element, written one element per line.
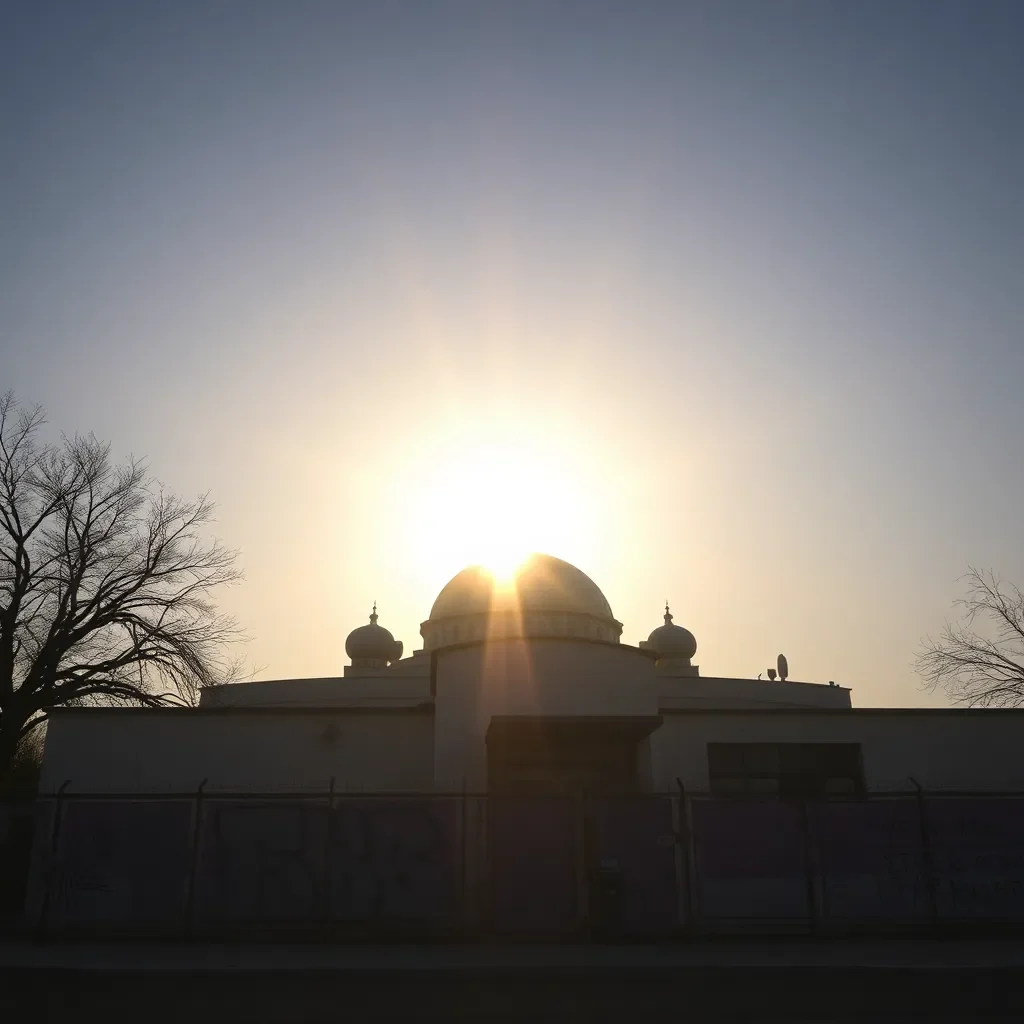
<point x="105" y="582"/>
<point x="979" y="661"/>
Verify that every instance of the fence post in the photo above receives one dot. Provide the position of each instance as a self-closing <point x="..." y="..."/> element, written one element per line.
<point x="926" y="854"/>
<point x="685" y="863"/>
<point x="810" y="865"/>
<point x="483" y="856"/>
<point x="583" y="833"/>
<point x="327" y="856"/>
<point x="463" y="861"/>
<point x="193" y="870"/>
<point x="51" y="867"/>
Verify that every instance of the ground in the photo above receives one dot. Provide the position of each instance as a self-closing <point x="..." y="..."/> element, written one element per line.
<point x="837" y="981"/>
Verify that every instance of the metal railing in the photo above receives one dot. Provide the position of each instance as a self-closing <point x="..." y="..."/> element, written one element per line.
<point x="344" y="865"/>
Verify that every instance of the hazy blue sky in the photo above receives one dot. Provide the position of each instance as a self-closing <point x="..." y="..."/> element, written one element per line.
<point x="742" y="282"/>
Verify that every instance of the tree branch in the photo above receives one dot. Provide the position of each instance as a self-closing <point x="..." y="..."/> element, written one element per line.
<point x="980" y="661"/>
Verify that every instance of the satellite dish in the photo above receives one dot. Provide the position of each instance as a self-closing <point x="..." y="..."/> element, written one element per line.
<point x="771" y="674"/>
<point x="783" y="667"/>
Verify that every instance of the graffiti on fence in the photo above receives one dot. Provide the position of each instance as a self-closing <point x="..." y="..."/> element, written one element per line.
<point x="978" y="857"/>
<point x="394" y="860"/>
<point x="870" y="860"/>
<point x="261" y="862"/>
<point x="397" y="863"/>
<point x="364" y="860"/>
<point x="120" y="862"/>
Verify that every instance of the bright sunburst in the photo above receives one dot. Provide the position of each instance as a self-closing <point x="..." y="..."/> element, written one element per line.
<point x="495" y="506"/>
<point x="504" y="560"/>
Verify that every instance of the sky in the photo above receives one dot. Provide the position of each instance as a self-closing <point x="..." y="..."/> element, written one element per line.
<point x="721" y="302"/>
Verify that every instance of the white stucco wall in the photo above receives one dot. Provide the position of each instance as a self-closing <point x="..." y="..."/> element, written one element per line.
<point x="384" y="734"/>
<point x="942" y="749"/>
<point x="263" y="750"/>
<point x="539" y="677"/>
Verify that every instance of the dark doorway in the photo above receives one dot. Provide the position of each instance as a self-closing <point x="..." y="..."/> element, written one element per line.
<point x="565" y="755"/>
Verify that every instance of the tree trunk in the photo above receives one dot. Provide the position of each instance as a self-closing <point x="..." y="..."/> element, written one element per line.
<point x="10" y="736"/>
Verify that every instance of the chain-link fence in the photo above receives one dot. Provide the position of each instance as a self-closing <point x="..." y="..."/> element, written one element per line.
<point x="374" y="866"/>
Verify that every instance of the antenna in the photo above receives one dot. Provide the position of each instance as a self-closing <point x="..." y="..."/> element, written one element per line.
<point x="783" y="667"/>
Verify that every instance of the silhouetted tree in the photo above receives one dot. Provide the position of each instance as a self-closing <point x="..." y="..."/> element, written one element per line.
<point x="979" y="660"/>
<point x="105" y="582"/>
<point x="22" y="776"/>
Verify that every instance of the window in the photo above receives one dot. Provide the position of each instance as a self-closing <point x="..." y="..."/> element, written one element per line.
<point x="794" y="771"/>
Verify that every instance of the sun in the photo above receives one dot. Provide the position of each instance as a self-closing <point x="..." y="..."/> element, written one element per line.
<point x="503" y="560"/>
<point x="496" y="505"/>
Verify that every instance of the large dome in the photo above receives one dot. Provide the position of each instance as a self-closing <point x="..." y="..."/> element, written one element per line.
<point x="545" y="597"/>
<point x="541" y="583"/>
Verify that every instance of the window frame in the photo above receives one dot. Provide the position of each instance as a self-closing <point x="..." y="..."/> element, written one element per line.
<point x="786" y="771"/>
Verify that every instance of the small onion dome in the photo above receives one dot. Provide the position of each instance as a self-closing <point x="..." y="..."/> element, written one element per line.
<point x="671" y="641"/>
<point x="371" y="642"/>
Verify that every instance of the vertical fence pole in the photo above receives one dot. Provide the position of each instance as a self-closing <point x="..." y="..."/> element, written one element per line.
<point x="463" y="881"/>
<point x="583" y="862"/>
<point x="484" y="871"/>
<point x="684" y="863"/>
<point x="51" y="872"/>
<point x="328" y="826"/>
<point x="926" y="855"/>
<point x="193" y="870"/>
<point x="810" y="863"/>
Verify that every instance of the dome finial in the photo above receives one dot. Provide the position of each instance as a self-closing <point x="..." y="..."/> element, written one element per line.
<point x="668" y="614"/>
<point x="373" y="614"/>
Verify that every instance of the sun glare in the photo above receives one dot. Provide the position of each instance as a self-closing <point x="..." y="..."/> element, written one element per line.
<point x="495" y="506"/>
<point x="502" y="562"/>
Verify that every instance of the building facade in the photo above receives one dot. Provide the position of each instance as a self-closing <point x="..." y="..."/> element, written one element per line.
<point x="526" y="688"/>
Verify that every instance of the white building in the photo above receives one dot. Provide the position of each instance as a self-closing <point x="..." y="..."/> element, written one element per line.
<point x="527" y="688"/>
